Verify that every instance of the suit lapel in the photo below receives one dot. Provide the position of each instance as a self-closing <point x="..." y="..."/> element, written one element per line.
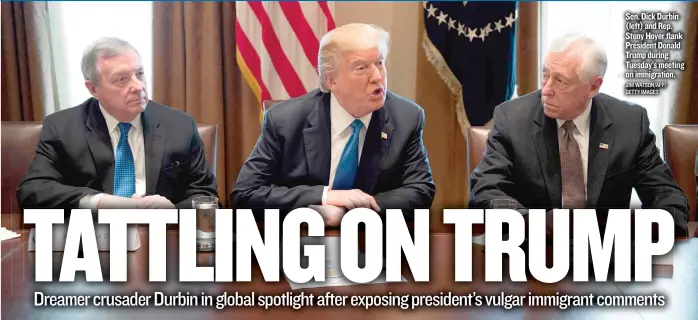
<point x="600" y="147"/>
<point x="154" y="140"/>
<point x="376" y="146"/>
<point x="317" y="140"/>
<point x="547" y="149"/>
<point x="99" y="143"/>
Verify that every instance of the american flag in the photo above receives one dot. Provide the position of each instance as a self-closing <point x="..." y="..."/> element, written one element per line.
<point x="277" y="45"/>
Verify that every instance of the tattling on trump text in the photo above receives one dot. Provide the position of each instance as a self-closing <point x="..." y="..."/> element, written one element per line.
<point x="625" y="229"/>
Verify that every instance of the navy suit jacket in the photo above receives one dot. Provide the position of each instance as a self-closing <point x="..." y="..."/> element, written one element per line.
<point x="75" y="158"/>
<point x="522" y="160"/>
<point x="290" y="164"/>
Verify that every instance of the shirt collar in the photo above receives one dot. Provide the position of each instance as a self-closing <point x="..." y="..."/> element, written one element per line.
<point x="341" y="119"/>
<point x="582" y="121"/>
<point x="112" y="123"/>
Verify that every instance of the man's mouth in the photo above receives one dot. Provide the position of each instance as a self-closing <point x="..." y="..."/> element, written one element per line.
<point x="378" y="91"/>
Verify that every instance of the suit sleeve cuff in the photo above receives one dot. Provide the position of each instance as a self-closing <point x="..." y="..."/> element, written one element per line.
<point x="91" y="201"/>
<point x="324" y="195"/>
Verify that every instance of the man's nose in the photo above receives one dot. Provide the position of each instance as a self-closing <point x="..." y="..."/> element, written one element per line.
<point x="137" y="85"/>
<point x="547" y="89"/>
<point x="375" y="75"/>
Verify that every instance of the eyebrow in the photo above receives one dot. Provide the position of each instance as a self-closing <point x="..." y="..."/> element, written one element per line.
<point x="357" y="62"/>
<point x="122" y="72"/>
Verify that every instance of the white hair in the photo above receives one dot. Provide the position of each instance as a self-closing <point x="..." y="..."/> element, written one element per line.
<point x="347" y="38"/>
<point x="594" y="62"/>
<point x="106" y="47"/>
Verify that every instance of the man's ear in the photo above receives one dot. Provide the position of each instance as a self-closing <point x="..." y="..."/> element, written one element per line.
<point x="331" y="82"/>
<point x="92" y="89"/>
<point x="595" y="86"/>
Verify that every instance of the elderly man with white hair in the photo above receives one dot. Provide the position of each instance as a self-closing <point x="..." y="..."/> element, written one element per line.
<point x="351" y="143"/>
<point x="570" y="146"/>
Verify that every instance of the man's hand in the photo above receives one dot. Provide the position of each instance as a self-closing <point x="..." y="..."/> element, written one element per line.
<point x="153" y="202"/>
<point x="351" y="199"/>
<point x="332" y="215"/>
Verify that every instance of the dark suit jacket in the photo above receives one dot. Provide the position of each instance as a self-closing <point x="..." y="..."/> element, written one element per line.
<point x="290" y="164"/>
<point x="75" y="158"/>
<point x="522" y="160"/>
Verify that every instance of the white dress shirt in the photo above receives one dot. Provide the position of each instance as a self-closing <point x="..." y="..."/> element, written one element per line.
<point x="341" y="132"/>
<point x="136" y="141"/>
<point x="581" y="135"/>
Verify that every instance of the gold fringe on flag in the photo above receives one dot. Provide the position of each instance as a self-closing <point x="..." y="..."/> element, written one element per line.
<point x="437" y="60"/>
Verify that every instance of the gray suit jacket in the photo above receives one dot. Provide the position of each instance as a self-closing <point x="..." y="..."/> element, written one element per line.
<point x="290" y="164"/>
<point x="522" y="160"/>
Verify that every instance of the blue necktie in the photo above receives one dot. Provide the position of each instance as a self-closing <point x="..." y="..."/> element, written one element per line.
<point x="124" y="168"/>
<point x="349" y="162"/>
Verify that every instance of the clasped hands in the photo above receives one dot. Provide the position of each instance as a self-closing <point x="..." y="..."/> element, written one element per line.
<point x="340" y="201"/>
<point x="136" y="201"/>
<point x="155" y="201"/>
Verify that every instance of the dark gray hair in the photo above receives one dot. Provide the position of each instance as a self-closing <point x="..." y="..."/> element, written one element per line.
<point x="105" y="47"/>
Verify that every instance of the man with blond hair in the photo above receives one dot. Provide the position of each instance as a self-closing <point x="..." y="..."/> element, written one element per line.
<point x="351" y="143"/>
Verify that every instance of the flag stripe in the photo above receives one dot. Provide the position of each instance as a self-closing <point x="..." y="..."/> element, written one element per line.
<point x="315" y="17"/>
<point x="250" y="64"/>
<point x="328" y="14"/>
<point x="302" y="30"/>
<point x="268" y="75"/>
<point x="289" y="78"/>
<point x="277" y="45"/>
<point x="292" y="46"/>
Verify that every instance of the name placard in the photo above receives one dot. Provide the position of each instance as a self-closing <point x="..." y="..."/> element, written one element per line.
<point x="60" y="233"/>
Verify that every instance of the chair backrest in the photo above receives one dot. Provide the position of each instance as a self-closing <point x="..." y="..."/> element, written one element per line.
<point x="266" y="104"/>
<point x="476" y="143"/>
<point x="19" y="140"/>
<point x="680" y="146"/>
<point x="209" y="137"/>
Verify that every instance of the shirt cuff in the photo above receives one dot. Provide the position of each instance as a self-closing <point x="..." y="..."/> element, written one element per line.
<point x="324" y="195"/>
<point x="91" y="201"/>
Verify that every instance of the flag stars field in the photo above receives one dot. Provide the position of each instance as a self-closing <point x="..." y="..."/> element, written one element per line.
<point x="478" y="32"/>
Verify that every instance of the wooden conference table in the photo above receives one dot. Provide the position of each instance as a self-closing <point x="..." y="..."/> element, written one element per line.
<point x="680" y="286"/>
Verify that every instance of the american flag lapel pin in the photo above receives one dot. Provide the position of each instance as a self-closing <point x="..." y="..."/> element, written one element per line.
<point x="384" y="136"/>
<point x="603" y="146"/>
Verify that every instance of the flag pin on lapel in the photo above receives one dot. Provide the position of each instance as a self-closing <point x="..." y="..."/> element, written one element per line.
<point x="384" y="136"/>
<point x="603" y="146"/>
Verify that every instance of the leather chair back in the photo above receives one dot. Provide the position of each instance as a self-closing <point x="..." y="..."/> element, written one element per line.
<point x="680" y="146"/>
<point x="209" y="137"/>
<point x="476" y="140"/>
<point x="269" y="103"/>
<point x="19" y="140"/>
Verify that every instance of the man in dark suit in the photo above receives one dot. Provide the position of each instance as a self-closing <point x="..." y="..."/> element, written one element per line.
<point x="569" y="146"/>
<point x="350" y="144"/>
<point x="117" y="149"/>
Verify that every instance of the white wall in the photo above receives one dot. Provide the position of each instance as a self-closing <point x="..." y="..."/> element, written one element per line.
<point x="74" y="25"/>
